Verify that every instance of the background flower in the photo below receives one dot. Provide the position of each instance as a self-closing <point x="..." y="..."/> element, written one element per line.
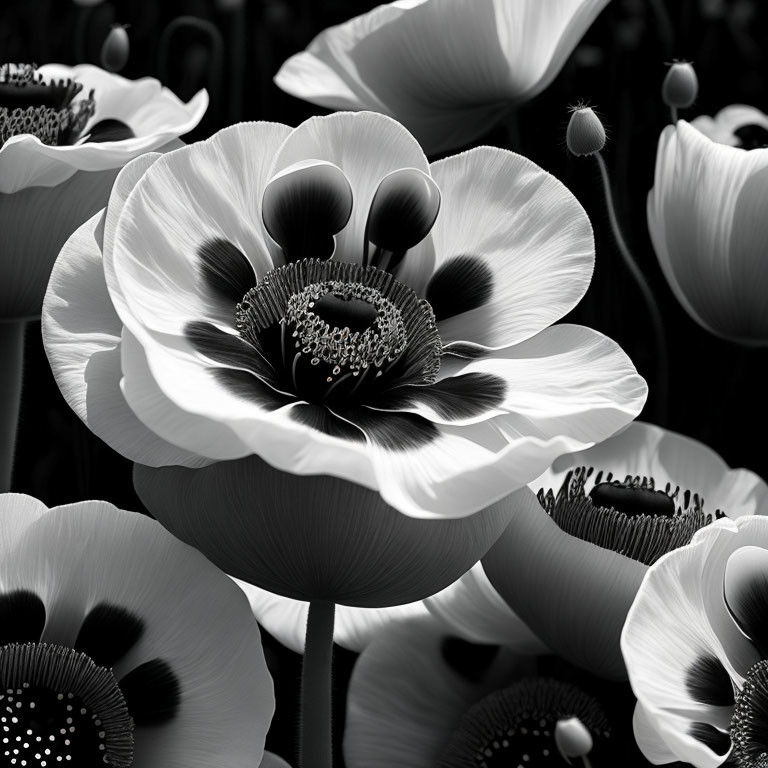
<point x="446" y="69"/>
<point x="174" y="631"/>
<point x="705" y="215"/>
<point x="571" y="572"/>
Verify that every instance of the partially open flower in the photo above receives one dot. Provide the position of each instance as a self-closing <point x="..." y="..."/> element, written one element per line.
<point x="121" y="645"/>
<point x="696" y="650"/>
<point x="737" y="125"/>
<point x="447" y="69"/>
<point x="572" y="563"/>
<point x="420" y="698"/>
<point x="706" y="215"/>
<point x="65" y="132"/>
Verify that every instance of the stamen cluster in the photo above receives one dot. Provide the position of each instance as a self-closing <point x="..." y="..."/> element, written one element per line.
<point x="748" y="730"/>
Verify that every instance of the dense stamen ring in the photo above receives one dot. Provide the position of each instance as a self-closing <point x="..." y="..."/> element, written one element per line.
<point x="750" y="749"/>
<point x="383" y="342"/>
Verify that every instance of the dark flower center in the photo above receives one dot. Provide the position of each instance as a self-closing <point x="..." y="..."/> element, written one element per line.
<point x="749" y="725"/>
<point x="630" y="517"/>
<point x="57" y="705"/>
<point x="516" y="726"/>
<point x="333" y="331"/>
<point x="751" y="136"/>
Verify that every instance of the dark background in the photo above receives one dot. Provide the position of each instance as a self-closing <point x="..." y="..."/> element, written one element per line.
<point x="716" y="389"/>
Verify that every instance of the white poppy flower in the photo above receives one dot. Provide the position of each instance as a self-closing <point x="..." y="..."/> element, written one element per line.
<point x="419" y="697"/>
<point x="706" y="215"/>
<point x="572" y="562"/>
<point x="695" y="646"/>
<point x="446" y="69"/>
<point x="450" y="392"/>
<point x="65" y="132"/>
<point x="119" y="642"/>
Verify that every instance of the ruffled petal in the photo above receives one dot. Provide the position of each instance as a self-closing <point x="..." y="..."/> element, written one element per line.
<point x="572" y="594"/>
<point x="314" y="537"/>
<point x="366" y="146"/>
<point x="402" y="687"/>
<point x="17" y="512"/>
<point x="721" y="128"/>
<point x="646" y="450"/>
<point x="81" y="334"/>
<point x="707" y="229"/>
<point x="154" y="114"/>
<point x="197" y="212"/>
<point x="475" y="611"/>
<point x="195" y="621"/>
<point x="353" y="628"/>
<point x="513" y="250"/>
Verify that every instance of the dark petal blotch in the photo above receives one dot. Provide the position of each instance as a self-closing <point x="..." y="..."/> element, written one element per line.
<point x="470" y="660"/>
<point x="152" y="692"/>
<point x="227" y="349"/>
<point x="108" y="632"/>
<point x="711" y="737"/>
<point x="249" y="387"/>
<point x="461" y="284"/>
<point x="393" y="431"/>
<point x="225" y="270"/>
<point x="22" y="617"/>
<point x="320" y="418"/>
<point x="708" y="682"/>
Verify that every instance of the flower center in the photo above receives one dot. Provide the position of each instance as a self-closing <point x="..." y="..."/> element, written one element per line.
<point x="749" y="724"/>
<point x="58" y="706"/>
<point x="30" y="104"/>
<point x="516" y="726"/>
<point x="629" y="517"/>
<point x="335" y="331"/>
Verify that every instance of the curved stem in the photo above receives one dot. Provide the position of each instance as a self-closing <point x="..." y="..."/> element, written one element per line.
<point x="673" y="114"/>
<point x="315" y="745"/>
<point x="662" y="374"/>
<point x="11" y="359"/>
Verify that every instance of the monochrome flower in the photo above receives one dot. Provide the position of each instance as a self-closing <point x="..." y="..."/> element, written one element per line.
<point x="64" y="134"/>
<point x="419" y="697"/>
<point x="446" y="69"/>
<point x="121" y="645"/>
<point x="573" y="561"/>
<point x="695" y="648"/>
<point x="707" y="223"/>
<point x="323" y="298"/>
<point x="737" y="125"/>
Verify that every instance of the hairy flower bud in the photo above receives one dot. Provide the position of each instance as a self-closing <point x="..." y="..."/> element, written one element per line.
<point x="585" y="134"/>
<point x="680" y="86"/>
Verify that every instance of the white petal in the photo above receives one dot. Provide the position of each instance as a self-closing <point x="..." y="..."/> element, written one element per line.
<point x="271" y="760"/>
<point x="81" y="334"/>
<point x="475" y="611"/>
<point x="366" y="146"/>
<point x="703" y="215"/>
<point x="190" y="197"/>
<point x="646" y="450"/>
<point x="195" y="618"/>
<point x="354" y="628"/>
<point x="405" y="702"/>
<point x="17" y="512"/>
<point x="513" y="249"/>
<point x="721" y="127"/>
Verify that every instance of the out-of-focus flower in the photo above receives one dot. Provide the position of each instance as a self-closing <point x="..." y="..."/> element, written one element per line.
<point x="706" y="215"/>
<point x="737" y="125"/>
<point x="115" y="49"/>
<point x="419" y="698"/>
<point x="121" y="645"/>
<point x="696" y="649"/>
<point x="446" y="69"/>
<point x="412" y="372"/>
<point x="65" y="132"/>
<point x="572" y="562"/>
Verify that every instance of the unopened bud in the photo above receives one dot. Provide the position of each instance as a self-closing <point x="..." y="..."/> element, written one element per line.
<point x="680" y="86"/>
<point x="572" y="738"/>
<point x="585" y="134"/>
<point x="114" y="52"/>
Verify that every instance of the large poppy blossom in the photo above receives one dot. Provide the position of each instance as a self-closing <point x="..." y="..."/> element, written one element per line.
<point x="573" y="561"/>
<point x="696" y="650"/>
<point x="65" y="132"/>
<point x="707" y="223"/>
<point x="324" y="298"/>
<point x="121" y="645"/>
<point x="447" y="69"/>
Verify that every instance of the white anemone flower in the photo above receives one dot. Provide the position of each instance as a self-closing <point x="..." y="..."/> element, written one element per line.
<point x="446" y="69"/>
<point x="65" y="132"/>
<point x="696" y="649"/>
<point x="294" y="294"/>
<point x="570" y="565"/>
<point x="706" y="215"/>
<point x="121" y="645"/>
<point x="419" y="697"/>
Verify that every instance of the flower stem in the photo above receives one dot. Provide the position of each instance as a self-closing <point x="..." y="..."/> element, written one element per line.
<point x="673" y="114"/>
<point x="662" y="373"/>
<point x="315" y="745"/>
<point x="12" y="357"/>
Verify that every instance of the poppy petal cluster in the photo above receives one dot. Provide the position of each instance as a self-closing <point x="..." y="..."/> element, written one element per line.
<point x="446" y="69"/>
<point x="324" y="298"/>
